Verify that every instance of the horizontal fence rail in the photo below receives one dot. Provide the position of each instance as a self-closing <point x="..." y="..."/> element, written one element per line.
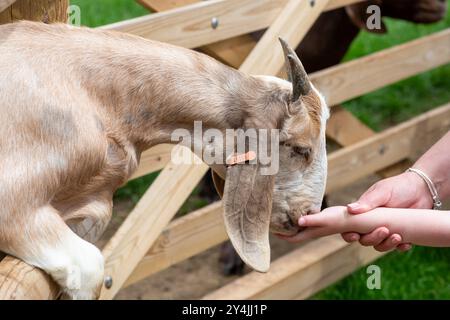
<point x="321" y="262"/>
<point x="300" y="273"/>
<point x="120" y="261"/>
<point x="190" y="26"/>
<point x="203" y="229"/>
<point x="148" y="242"/>
<point x="355" y="78"/>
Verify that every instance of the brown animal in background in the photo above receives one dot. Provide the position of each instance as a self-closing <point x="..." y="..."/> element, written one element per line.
<point x="79" y="106"/>
<point x="330" y="37"/>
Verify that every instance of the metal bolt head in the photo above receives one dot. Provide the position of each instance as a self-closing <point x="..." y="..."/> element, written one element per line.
<point x="312" y="3"/>
<point x="108" y="282"/>
<point x="214" y="22"/>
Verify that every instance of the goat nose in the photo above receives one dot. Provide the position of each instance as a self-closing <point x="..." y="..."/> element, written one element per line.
<point x="289" y="224"/>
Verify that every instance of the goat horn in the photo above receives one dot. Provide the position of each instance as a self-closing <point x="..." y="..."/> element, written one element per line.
<point x="296" y="72"/>
<point x="5" y="4"/>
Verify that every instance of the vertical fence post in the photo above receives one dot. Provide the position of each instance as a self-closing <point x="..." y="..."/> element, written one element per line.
<point x="47" y="11"/>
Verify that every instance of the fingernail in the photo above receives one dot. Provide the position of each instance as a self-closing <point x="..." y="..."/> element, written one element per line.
<point x="395" y="240"/>
<point x="301" y="221"/>
<point x="354" y="206"/>
<point x="353" y="238"/>
<point x="384" y="233"/>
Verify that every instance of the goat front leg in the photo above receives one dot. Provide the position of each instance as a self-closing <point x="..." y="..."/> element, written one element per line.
<point x="91" y="216"/>
<point x="45" y="241"/>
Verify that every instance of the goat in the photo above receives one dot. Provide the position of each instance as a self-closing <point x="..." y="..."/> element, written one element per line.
<point x="79" y="106"/>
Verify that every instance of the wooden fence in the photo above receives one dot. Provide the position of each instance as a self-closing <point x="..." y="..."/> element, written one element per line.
<point x="150" y="240"/>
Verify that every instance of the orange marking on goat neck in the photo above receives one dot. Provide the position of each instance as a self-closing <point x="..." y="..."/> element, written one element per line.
<point x="241" y="158"/>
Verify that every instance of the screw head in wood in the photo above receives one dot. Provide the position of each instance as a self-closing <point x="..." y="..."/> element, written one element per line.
<point x="108" y="282"/>
<point x="214" y="22"/>
<point x="312" y="3"/>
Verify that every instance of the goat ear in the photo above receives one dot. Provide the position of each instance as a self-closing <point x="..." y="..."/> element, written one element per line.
<point x="219" y="183"/>
<point x="248" y="205"/>
<point x="358" y="15"/>
<point x="296" y="72"/>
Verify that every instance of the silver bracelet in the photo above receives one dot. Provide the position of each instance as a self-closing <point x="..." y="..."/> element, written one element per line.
<point x="434" y="194"/>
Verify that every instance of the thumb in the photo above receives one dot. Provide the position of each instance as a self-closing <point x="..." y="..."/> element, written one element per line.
<point x="373" y="198"/>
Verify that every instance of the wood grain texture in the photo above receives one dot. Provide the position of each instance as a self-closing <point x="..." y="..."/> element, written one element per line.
<point x="20" y="281"/>
<point x="388" y="147"/>
<point x="334" y="4"/>
<point x="138" y="232"/>
<point x="291" y="24"/>
<point x="153" y="160"/>
<point x="358" y="77"/>
<point x="231" y="51"/>
<point x="5" y="4"/>
<point x="182" y="239"/>
<point x="47" y="11"/>
<point x="121" y="256"/>
<point x="372" y="155"/>
<point x="300" y="273"/>
<point x="148" y="219"/>
<point x="234" y="51"/>
<point x="190" y="26"/>
<point x="198" y="231"/>
<point x="383" y="158"/>
<point x="344" y="128"/>
<point x="163" y="5"/>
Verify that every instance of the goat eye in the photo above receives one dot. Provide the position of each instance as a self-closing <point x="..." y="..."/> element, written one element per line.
<point x="302" y="151"/>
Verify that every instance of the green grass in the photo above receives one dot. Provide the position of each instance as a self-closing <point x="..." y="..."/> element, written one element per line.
<point x="422" y="273"/>
<point x="100" y="12"/>
<point x="407" y="98"/>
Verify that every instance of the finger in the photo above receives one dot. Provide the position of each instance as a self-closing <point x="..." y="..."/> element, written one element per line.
<point x="350" y="236"/>
<point x="389" y="244"/>
<point x="375" y="237"/>
<point x="404" y="247"/>
<point x="371" y="199"/>
<point x="314" y="220"/>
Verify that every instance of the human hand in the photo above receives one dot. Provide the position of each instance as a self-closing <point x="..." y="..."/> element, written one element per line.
<point x="406" y="190"/>
<point x="331" y="220"/>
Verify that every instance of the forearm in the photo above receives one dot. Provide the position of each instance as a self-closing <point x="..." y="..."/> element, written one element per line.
<point x="416" y="226"/>
<point x="436" y="164"/>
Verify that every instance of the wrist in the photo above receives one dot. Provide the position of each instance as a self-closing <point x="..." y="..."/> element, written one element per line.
<point x="439" y="178"/>
<point x="423" y="197"/>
